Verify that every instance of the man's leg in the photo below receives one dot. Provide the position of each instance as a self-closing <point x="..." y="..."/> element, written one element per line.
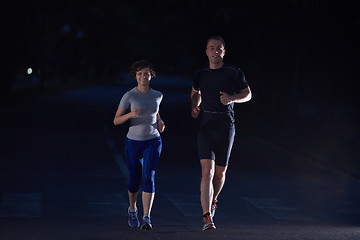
<point x="218" y="184"/>
<point x="207" y="191"/>
<point x="206" y="184"/>
<point x="223" y="155"/>
<point x="219" y="180"/>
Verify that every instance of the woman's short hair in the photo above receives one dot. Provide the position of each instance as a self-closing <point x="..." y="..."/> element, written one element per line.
<point x="138" y="65"/>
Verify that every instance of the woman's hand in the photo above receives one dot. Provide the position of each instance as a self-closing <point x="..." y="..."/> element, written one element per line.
<point x="121" y="117"/>
<point x="161" y="125"/>
<point x="135" y="113"/>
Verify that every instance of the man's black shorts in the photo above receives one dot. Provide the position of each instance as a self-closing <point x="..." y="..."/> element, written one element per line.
<point x="216" y="137"/>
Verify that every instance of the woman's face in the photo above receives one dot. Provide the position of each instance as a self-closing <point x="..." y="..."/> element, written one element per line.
<point x="143" y="76"/>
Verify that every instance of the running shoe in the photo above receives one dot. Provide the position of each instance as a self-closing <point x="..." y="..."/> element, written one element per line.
<point x="133" y="218"/>
<point x="213" y="207"/>
<point x="146" y="223"/>
<point x="208" y="222"/>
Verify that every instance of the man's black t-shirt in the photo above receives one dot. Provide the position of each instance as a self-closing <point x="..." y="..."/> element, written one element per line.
<point x="210" y="82"/>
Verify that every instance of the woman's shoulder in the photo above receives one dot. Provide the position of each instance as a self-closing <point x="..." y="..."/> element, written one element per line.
<point x="131" y="91"/>
<point x="156" y="92"/>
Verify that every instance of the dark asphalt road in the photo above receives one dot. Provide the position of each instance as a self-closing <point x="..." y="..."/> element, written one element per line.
<point x="63" y="176"/>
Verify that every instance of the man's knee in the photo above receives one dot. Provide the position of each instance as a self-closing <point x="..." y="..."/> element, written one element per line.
<point x="220" y="172"/>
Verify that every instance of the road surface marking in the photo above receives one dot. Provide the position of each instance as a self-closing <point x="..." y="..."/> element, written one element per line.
<point x="277" y="210"/>
<point x="107" y="204"/>
<point x="21" y="205"/>
<point x="119" y="159"/>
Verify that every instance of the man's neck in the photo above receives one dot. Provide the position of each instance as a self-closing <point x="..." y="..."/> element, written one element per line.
<point x="216" y="65"/>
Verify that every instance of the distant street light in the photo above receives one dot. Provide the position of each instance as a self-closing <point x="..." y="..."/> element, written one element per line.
<point x="29" y="71"/>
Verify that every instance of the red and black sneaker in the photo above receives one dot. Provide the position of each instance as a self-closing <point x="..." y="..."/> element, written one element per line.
<point x="213" y="207"/>
<point x="208" y="222"/>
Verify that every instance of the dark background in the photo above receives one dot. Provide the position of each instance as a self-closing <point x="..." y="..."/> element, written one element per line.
<point x="299" y="57"/>
<point x="294" y="171"/>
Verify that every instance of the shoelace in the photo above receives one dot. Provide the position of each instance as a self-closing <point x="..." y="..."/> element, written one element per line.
<point x="133" y="215"/>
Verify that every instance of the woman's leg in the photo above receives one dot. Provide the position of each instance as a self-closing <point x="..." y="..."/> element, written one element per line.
<point x="151" y="158"/>
<point x="147" y="199"/>
<point x="132" y="200"/>
<point x="133" y="158"/>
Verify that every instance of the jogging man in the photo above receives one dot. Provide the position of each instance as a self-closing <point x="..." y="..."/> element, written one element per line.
<point x="215" y="90"/>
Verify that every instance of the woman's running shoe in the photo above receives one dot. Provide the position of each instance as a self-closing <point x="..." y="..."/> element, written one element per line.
<point x="146" y="223"/>
<point x="133" y="218"/>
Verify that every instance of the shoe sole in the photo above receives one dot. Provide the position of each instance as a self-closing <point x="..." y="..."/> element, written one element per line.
<point x="209" y="227"/>
<point x="146" y="227"/>
<point x="134" y="226"/>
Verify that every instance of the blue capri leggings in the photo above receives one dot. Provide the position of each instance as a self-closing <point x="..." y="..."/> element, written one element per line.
<point x="142" y="158"/>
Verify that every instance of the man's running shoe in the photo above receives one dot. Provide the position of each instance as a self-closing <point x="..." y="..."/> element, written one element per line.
<point x="208" y="222"/>
<point x="133" y="218"/>
<point x="146" y="223"/>
<point x="213" y="207"/>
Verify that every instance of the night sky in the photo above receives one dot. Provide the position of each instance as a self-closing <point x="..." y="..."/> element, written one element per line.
<point x="298" y="56"/>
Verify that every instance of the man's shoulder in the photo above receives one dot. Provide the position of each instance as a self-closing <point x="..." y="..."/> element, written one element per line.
<point x="202" y="69"/>
<point x="200" y="72"/>
<point x="231" y="67"/>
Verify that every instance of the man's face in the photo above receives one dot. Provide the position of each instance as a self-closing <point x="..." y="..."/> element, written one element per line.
<point x="215" y="51"/>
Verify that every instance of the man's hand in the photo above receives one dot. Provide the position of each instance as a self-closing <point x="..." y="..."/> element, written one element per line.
<point x="195" y="103"/>
<point x="225" y="98"/>
<point x="195" y="112"/>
